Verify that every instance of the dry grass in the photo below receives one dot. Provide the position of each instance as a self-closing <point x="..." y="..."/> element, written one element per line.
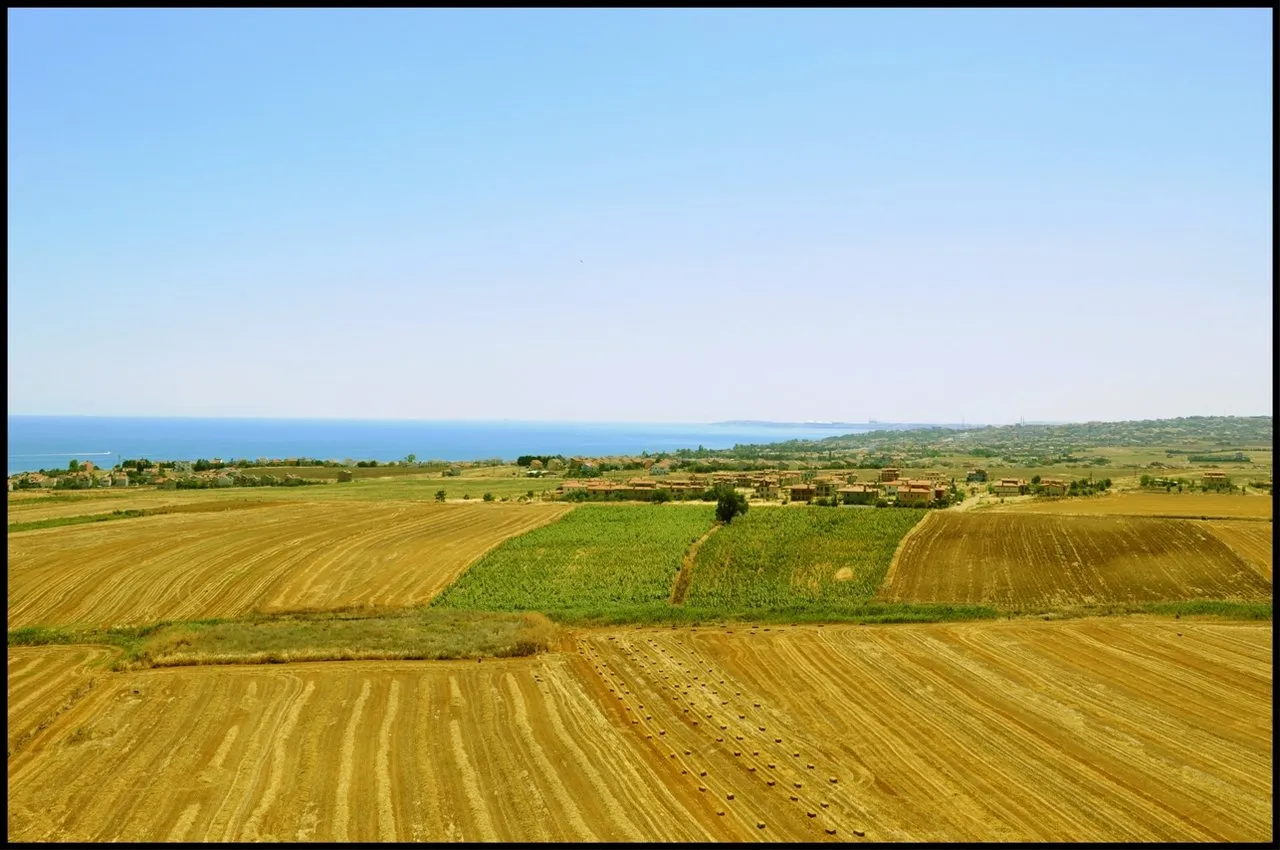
<point x="348" y="636"/>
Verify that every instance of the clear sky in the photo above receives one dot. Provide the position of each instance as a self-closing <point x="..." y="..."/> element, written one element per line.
<point x="680" y="215"/>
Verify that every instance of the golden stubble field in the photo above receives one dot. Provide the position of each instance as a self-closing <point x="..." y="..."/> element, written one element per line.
<point x="1089" y="730"/>
<point x="1156" y="504"/>
<point x="302" y="555"/>
<point x="1250" y="540"/>
<point x="1036" y="560"/>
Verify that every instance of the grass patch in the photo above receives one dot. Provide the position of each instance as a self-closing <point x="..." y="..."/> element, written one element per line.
<point x="1227" y="609"/>
<point x="653" y="614"/>
<point x="343" y="635"/>
<point x="55" y="522"/>
<point x="598" y="557"/>
<point x="781" y="559"/>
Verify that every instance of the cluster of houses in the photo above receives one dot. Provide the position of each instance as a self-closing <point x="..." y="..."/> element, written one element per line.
<point x="88" y="475"/>
<point x="773" y="484"/>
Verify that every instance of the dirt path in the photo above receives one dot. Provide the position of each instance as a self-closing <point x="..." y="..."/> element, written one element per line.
<point x="684" y="578"/>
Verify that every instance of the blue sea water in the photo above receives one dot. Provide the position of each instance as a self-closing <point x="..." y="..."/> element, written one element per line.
<point x="46" y="442"/>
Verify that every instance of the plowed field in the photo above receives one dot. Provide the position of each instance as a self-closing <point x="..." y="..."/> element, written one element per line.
<point x="1102" y="730"/>
<point x="304" y="555"/>
<point x="1018" y="560"/>
<point x="1250" y="540"/>
<point x="1191" y="505"/>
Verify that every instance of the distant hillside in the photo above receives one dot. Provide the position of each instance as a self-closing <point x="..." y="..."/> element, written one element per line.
<point x="1219" y="432"/>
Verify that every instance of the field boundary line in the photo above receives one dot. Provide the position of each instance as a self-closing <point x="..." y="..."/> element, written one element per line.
<point x="889" y="574"/>
<point x="684" y="578"/>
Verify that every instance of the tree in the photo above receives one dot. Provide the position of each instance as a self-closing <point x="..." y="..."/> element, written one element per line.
<point x="410" y="459"/>
<point x="729" y="504"/>
<point x="488" y="497"/>
<point x="439" y="495"/>
<point x="1035" y="479"/>
<point x="74" y="466"/>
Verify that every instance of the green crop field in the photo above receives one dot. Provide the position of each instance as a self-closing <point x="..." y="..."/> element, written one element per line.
<point x="775" y="559"/>
<point x="595" y="559"/>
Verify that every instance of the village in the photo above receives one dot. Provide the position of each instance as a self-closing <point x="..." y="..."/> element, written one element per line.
<point x="787" y="486"/>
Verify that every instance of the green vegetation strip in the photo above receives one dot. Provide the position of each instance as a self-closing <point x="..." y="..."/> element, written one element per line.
<point x="1229" y="609"/>
<point x="74" y="520"/>
<point x="358" y="634"/>
<point x="815" y="557"/>
<point x="596" y="558"/>
<point x="872" y="612"/>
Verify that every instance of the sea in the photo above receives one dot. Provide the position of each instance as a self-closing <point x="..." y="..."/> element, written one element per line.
<point x="48" y="442"/>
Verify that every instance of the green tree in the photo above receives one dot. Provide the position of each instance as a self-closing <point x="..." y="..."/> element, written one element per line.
<point x="439" y="495"/>
<point x="74" y="466"/>
<point x="729" y="503"/>
<point x="488" y="497"/>
<point x="410" y="459"/>
<point x="1035" y="479"/>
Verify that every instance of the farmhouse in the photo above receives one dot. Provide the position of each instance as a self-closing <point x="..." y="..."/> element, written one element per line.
<point x="889" y="473"/>
<point x="1053" y="487"/>
<point x="1215" y="478"/>
<point x="824" y="487"/>
<point x="344" y="475"/>
<point x="975" y="475"/>
<point x="1010" y="487"/>
<point x="802" y="492"/>
<point x="914" y="492"/>
<point x="767" y="488"/>
<point x="858" y="494"/>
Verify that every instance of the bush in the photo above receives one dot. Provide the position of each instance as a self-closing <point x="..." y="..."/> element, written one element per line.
<point x="729" y="504"/>
<point x="488" y="497"/>
<point x="660" y="496"/>
<point x="440" y="496"/>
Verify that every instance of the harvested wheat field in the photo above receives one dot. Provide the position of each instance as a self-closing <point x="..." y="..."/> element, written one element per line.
<point x="512" y="750"/>
<point x="1095" y="729"/>
<point x="97" y="502"/>
<point x="1091" y="730"/>
<point x="43" y="682"/>
<point x="294" y="556"/>
<point x="1031" y="560"/>
<point x="1156" y="504"/>
<point x="1250" y="540"/>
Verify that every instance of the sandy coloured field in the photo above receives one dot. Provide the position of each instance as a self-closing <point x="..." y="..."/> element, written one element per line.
<point x="44" y="681"/>
<point x="1090" y="730"/>
<point x="1099" y="729"/>
<point x="1250" y="540"/>
<point x="1130" y="503"/>
<point x="301" y="555"/>
<point x="1037" y="560"/>
<point x="515" y="750"/>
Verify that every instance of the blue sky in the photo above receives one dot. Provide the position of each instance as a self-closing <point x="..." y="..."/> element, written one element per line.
<point x="670" y="215"/>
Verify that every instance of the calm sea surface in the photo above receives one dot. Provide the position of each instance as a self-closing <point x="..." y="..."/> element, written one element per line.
<point x="43" y="442"/>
